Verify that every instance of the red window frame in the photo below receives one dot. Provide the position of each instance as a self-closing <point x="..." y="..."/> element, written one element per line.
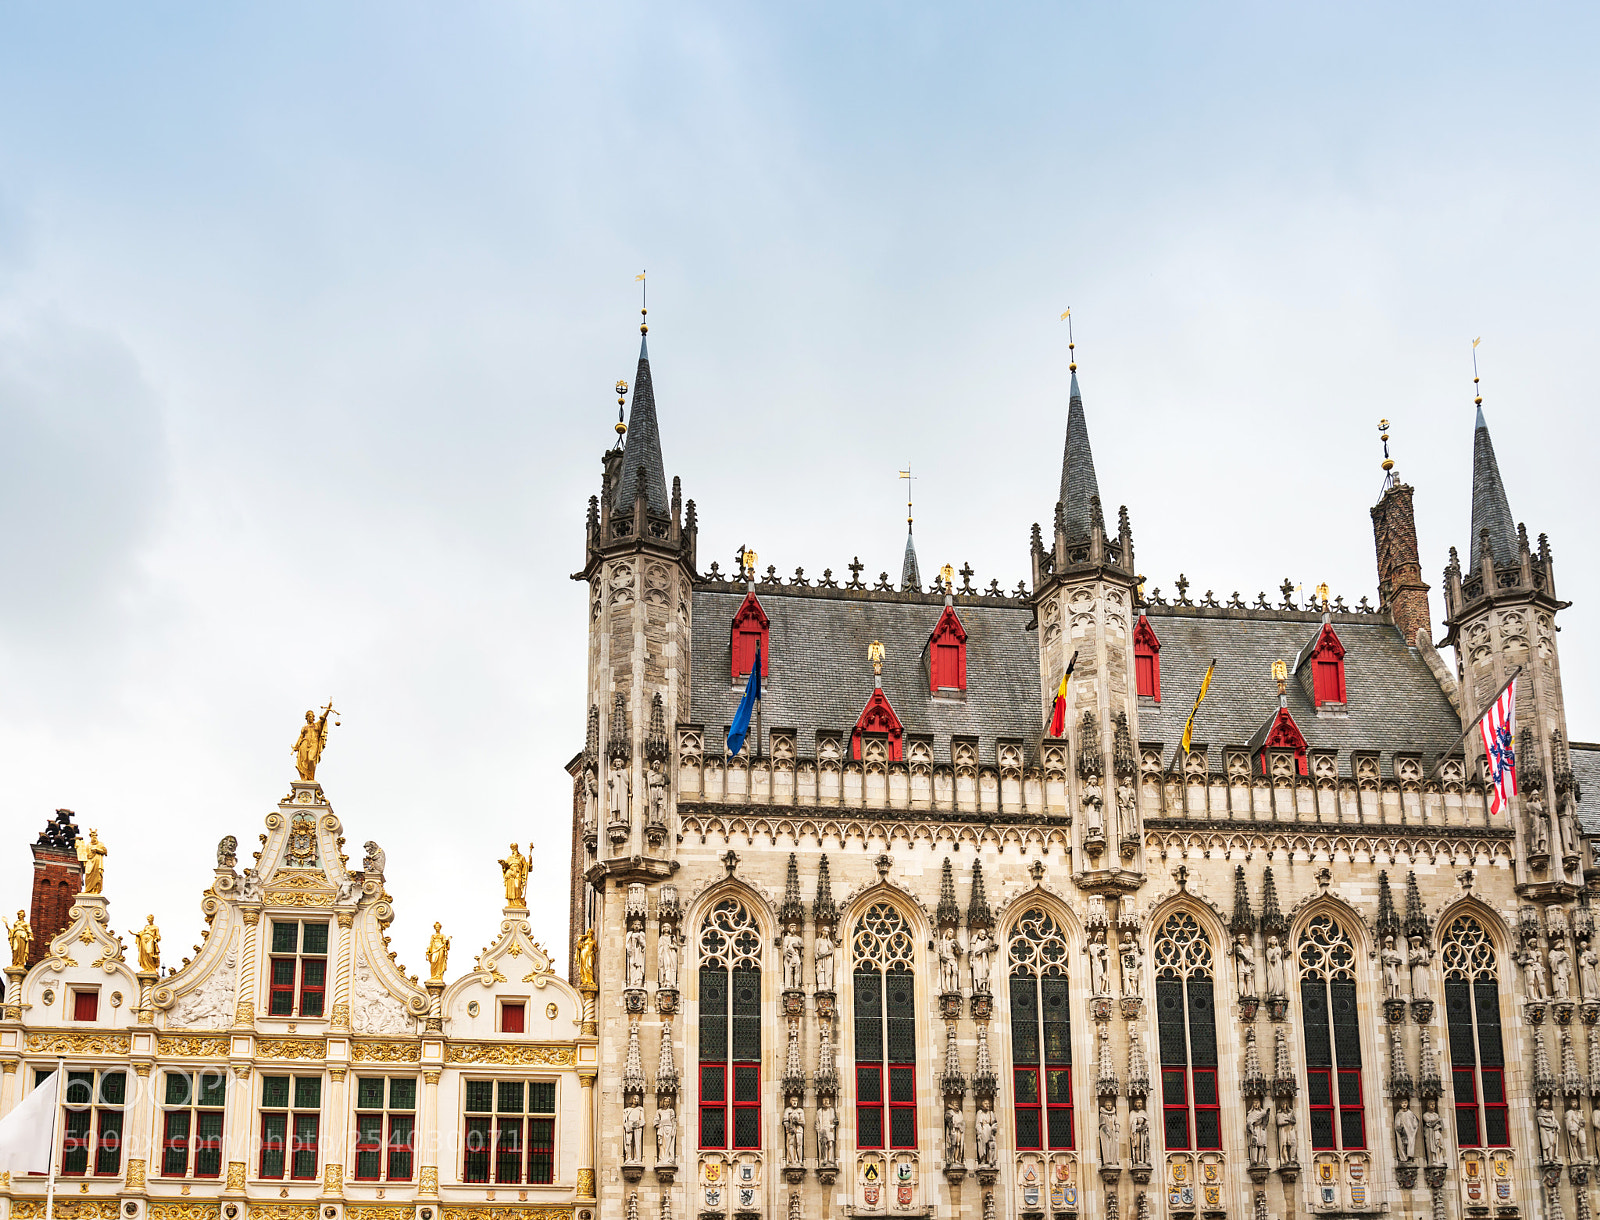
<point x="513" y="1024"/>
<point x="368" y="1146"/>
<point x="307" y="1128"/>
<point x="1327" y="672"/>
<point x="1146" y="660"/>
<point x="947" y="666"/>
<point x="1502" y="1106"/>
<point x="477" y="1149"/>
<point x="869" y="1100"/>
<point x="172" y="1142"/>
<point x="541" y="1150"/>
<point x="717" y="1104"/>
<point x="947" y="653"/>
<point x="108" y="1144"/>
<point x="1212" y="1107"/>
<point x="278" y="987"/>
<point x="1180" y="1076"/>
<point x="309" y="989"/>
<point x="1351" y="1077"/>
<point x="902" y="1074"/>
<point x="1034" y="1107"/>
<point x="750" y="625"/>
<point x="744" y="1072"/>
<point x="273" y="1141"/>
<point x="85" y="1005"/>
<point x="504" y="1149"/>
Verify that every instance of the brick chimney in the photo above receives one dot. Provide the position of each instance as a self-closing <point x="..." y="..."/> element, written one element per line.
<point x="57" y="878"/>
<point x="1401" y="589"/>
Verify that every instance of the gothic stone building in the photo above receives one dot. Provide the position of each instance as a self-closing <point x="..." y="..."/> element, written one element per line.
<point x="291" y="1070"/>
<point x="907" y="954"/>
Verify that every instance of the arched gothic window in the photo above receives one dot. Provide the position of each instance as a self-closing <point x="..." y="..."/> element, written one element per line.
<point x="1477" y="1057"/>
<point x="1186" y="1025"/>
<point x="730" y="1027"/>
<point x="1332" y="1035"/>
<point x="886" y="1030"/>
<point x="1041" y="1033"/>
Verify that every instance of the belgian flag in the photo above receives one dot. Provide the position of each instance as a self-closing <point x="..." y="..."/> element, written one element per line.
<point x="1058" y="713"/>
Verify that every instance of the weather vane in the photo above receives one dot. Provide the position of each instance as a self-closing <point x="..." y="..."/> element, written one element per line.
<point x="1477" y="399"/>
<point x="908" y="476"/>
<point x="1072" y="359"/>
<point x="643" y="329"/>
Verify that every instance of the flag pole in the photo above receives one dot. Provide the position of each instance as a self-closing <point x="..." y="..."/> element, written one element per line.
<point x="55" y="1112"/>
<point x="1495" y="698"/>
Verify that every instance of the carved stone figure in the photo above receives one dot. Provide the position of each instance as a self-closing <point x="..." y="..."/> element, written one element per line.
<point x="1255" y="1122"/>
<point x="1532" y="972"/>
<point x="666" y="1135"/>
<point x="1127" y="809"/>
<point x="1420" y="957"/>
<point x="1405" y="1133"/>
<point x="1287" y="1143"/>
<point x="1577" y="1134"/>
<point x="1589" y="972"/>
<point x="955" y="1135"/>
<point x="591" y="801"/>
<point x="822" y="952"/>
<point x="92" y="855"/>
<point x="208" y="1006"/>
<point x="1433" y="1134"/>
<point x="1560" y="971"/>
<point x="794" y="1132"/>
<point x="1244" y="965"/>
<point x="20" y="936"/>
<point x="438" y="953"/>
<point x="1139" y="1136"/>
<point x="1093" y="814"/>
<point x="1132" y="966"/>
<point x="250" y="886"/>
<point x="227" y="852"/>
<point x="617" y="792"/>
<point x="633" y="1132"/>
<point x="633" y="955"/>
<point x="1393" y="963"/>
<point x="347" y="892"/>
<point x="667" y="958"/>
<point x="585" y="956"/>
<point x="1549" y="1133"/>
<point x="980" y="955"/>
<point x="1275" y="983"/>
<point x="148" y="940"/>
<point x="308" y="746"/>
<point x="827" y="1133"/>
<point x="373" y="1010"/>
<point x="1099" y="965"/>
<point x="793" y="957"/>
<point x="949" y="961"/>
<point x="984" y="1130"/>
<point x="514" y="871"/>
<point x="375" y="861"/>
<point x="1110" y="1134"/>
<point x="656" y="784"/>
<point x="1569" y="828"/>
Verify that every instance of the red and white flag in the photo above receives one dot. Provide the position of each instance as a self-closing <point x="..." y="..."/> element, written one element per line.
<point x="1498" y="727"/>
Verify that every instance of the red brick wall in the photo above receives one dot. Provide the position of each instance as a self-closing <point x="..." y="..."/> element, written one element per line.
<point x="1400" y="586"/>
<point x="57" y="878"/>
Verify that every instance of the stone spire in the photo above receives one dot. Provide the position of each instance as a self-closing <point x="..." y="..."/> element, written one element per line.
<point x="979" y="913"/>
<point x="1388" y="920"/>
<point x="1273" y="922"/>
<point x="1253" y="1082"/>
<point x="633" y="1067"/>
<point x="1079" y="486"/>
<point x="1284" y="1082"/>
<point x="1490" y="509"/>
<point x="1571" y="1078"/>
<point x="641" y="457"/>
<point x="827" y="1077"/>
<point x="1594" y="1062"/>
<point x="1429" y="1084"/>
<point x="1107" y="1085"/>
<point x="822" y="910"/>
<point x="667" y="1064"/>
<point x="1243" y="920"/>
<point x="1416" y="917"/>
<point x="793" y="910"/>
<point x="948" y="913"/>
<point x="910" y="574"/>
<point x="1400" y="1084"/>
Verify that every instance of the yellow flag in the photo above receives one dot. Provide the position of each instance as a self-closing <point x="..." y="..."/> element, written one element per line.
<point x="640" y="276"/>
<point x="1205" y="685"/>
<point x="1477" y="341"/>
<point x="1065" y="316"/>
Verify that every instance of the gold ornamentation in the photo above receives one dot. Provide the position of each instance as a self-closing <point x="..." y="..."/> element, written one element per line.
<point x="586" y="961"/>
<point x="438" y="953"/>
<point x="10" y="1066"/>
<point x="235" y="1175"/>
<point x="457" y="1212"/>
<point x="134" y="1178"/>
<point x="430" y="1077"/>
<point x="514" y="951"/>
<point x="386" y="1052"/>
<point x="92" y="855"/>
<point x="552" y="1054"/>
<point x="428" y="1178"/>
<point x="141" y="1070"/>
<point x="78" y="1044"/>
<point x="252" y="916"/>
<point x="341" y="1016"/>
<point x="283" y="1211"/>
<point x="531" y="976"/>
<point x="337" y="1073"/>
<point x="388" y="1211"/>
<point x="148" y="938"/>
<point x="66" y="1209"/>
<point x="308" y="746"/>
<point x="292" y="1048"/>
<point x="332" y="1179"/>
<point x="21" y="937"/>
<point x="514" y="871"/>
<point x="182" y="1211"/>
<point x="192" y="1048"/>
<point x="295" y="898"/>
<point x="586" y="1184"/>
<point x="244" y="1013"/>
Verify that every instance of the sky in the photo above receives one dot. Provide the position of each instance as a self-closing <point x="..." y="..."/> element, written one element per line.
<point x="310" y="314"/>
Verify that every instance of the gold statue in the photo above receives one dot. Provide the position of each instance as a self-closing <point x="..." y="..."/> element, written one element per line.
<point x="313" y="737"/>
<point x="21" y="937"/>
<point x="92" y="855"/>
<point x="586" y="961"/>
<point x="438" y="953"/>
<point x="515" y="868"/>
<point x="148" y="939"/>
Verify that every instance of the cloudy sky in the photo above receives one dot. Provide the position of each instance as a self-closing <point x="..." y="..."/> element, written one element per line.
<point x="309" y="316"/>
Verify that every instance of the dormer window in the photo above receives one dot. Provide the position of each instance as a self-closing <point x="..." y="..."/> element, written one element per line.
<point x="1147" y="660"/>
<point x="1283" y="736"/>
<point x="947" y="654"/>
<point x="749" y="629"/>
<point x="878" y="717"/>
<point x="1327" y="668"/>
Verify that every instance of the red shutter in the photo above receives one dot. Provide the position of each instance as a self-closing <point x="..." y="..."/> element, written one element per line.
<point x="748" y="628"/>
<point x="85" y="1005"/>
<point x="947" y="666"/>
<point x="1146" y="660"/>
<point x="511" y="1018"/>
<point x="1145" y="672"/>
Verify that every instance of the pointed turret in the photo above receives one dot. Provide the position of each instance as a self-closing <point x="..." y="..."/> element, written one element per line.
<point x="910" y="575"/>
<point x="1079" y="487"/>
<point x="1491" y="512"/>
<point x="641" y="457"/>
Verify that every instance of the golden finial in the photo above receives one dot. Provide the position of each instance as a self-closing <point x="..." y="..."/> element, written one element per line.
<point x="1383" y="435"/>
<point x="747" y="562"/>
<point x="1072" y="360"/>
<point x="1280" y="674"/>
<point x="1477" y="400"/>
<point x="949" y="575"/>
<point x="1322" y="594"/>
<point x="643" y="329"/>
<point x="908" y="476"/>
<point x="875" y="655"/>
<point x="622" y="391"/>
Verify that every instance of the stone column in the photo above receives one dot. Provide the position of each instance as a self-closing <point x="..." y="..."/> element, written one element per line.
<point x="8" y="1085"/>
<point x="428" y="1172"/>
<point x="340" y="1013"/>
<point x="138" y="1136"/>
<point x="244" y="998"/>
<point x="335" y="1141"/>
<point x="586" y="1139"/>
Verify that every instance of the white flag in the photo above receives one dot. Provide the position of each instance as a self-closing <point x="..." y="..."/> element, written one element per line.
<point x="25" y="1133"/>
<point x="1498" y="728"/>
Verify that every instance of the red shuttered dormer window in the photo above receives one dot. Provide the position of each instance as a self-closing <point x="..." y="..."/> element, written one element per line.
<point x="749" y="629"/>
<point x="1147" y="660"/>
<point x="947" y="654"/>
<point x="1283" y="735"/>
<point x="879" y="717"/>
<point x="1327" y="668"/>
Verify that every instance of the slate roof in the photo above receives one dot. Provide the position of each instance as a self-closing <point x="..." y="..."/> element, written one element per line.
<point x="1490" y="509"/>
<point x="1586" y="769"/>
<point x="642" y="446"/>
<point x="818" y="676"/>
<point x="1078" y="481"/>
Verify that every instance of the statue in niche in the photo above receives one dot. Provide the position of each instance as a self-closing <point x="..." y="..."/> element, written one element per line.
<point x="1532" y="972"/>
<point x="656" y="785"/>
<point x="794" y="1132"/>
<point x="980" y="955"/>
<point x="1433" y="1134"/>
<point x="617" y="789"/>
<point x="1569" y="828"/>
<point x="591" y="801"/>
<point x="1099" y="965"/>
<point x="1244" y="965"/>
<point x="1286" y="1135"/>
<point x="1560" y="971"/>
<point x="148" y="940"/>
<point x="1094" y="815"/>
<point x="1420" y="957"/>
<point x="1255" y="1122"/>
<point x="1139" y="1135"/>
<point x="793" y="957"/>
<point x="1405" y="1133"/>
<point x="955" y="1135"/>
<point x="1127" y="809"/>
<point x="949" y="961"/>
<point x="827" y="1132"/>
<point x="984" y="1132"/>
<point x="250" y="886"/>
<point x="633" y="955"/>
<point x="1132" y="966"/>
<point x="1275" y="984"/>
<point x="822" y="953"/>
<point x="667" y="958"/>
<point x="1110" y="1134"/>
<point x="633" y="1131"/>
<point x="666" y="1135"/>
<point x="586" y="946"/>
<point x="1589" y="972"/>
<point x="1539" y="819"/>
<point x="1549" y="1133"/>
<point x="1393" y="963"/>
<point x="349" y="891"/>
<point x="1577" y="1133"/>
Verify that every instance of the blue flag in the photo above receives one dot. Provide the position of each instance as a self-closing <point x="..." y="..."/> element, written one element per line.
<point x="747" y="706"/>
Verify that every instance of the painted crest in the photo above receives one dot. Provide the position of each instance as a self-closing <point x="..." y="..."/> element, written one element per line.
<point x="903" y="1196"/>
<point x="747" y="1197"/>
<point x="869" y="1195"/>
<point x="902" y="1171"/>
